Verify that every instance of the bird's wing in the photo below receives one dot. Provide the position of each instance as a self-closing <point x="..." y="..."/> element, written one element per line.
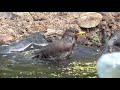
<point x="56" y="50"/>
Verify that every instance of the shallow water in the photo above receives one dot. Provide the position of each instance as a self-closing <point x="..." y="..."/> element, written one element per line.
<point x="16" y="62"/>
<point x="72" y="69"/>
<point x="82" y="64"/>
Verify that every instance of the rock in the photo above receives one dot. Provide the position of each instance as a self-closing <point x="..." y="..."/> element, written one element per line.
<point x="108" y="65"/>
<point x="115" y="39"/>
<point x="51" y="35"/>
<point x="5" y="38"/>
<point x="89" y="19"/>
<point x="53" y="31"/>
<point x="8" y="15"/>
<point x="31" y="42"/>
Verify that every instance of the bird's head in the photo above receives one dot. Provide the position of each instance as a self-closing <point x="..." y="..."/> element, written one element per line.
<point x="72" y="34"/>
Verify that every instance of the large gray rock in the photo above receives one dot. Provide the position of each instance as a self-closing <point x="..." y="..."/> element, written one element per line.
<point x="108" y="65"/>
<point x="32" y="41"/>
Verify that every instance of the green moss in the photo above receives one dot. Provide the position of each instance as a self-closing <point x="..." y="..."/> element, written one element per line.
<point x="95" y="38"/>
<point x="79" y="70"/>
<point x="74" y="69"/>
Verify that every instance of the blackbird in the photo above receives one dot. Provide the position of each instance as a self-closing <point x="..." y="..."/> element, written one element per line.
<point x="60" y="49"/>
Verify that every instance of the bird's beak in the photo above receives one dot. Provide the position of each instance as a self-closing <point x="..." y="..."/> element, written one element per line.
<point x="80" y="33"/>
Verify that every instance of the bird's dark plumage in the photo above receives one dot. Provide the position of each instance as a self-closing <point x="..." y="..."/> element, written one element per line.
<point x="60" y="49"/>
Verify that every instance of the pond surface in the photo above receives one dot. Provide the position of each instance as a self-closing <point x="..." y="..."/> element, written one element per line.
<point x="16" y="62"/>
<point x="75" y="69"/>
<point x="78" y="66"/>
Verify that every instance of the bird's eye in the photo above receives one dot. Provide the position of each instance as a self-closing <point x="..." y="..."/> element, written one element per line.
<point x="75" y="32"/>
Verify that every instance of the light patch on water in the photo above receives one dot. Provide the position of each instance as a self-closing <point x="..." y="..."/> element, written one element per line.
<point x="31" y="47"/>
<point x="21" y="48"/>
<point x="5" y="45"/>
<point x="44" y="44"/>
<point x="4" y="55"/>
